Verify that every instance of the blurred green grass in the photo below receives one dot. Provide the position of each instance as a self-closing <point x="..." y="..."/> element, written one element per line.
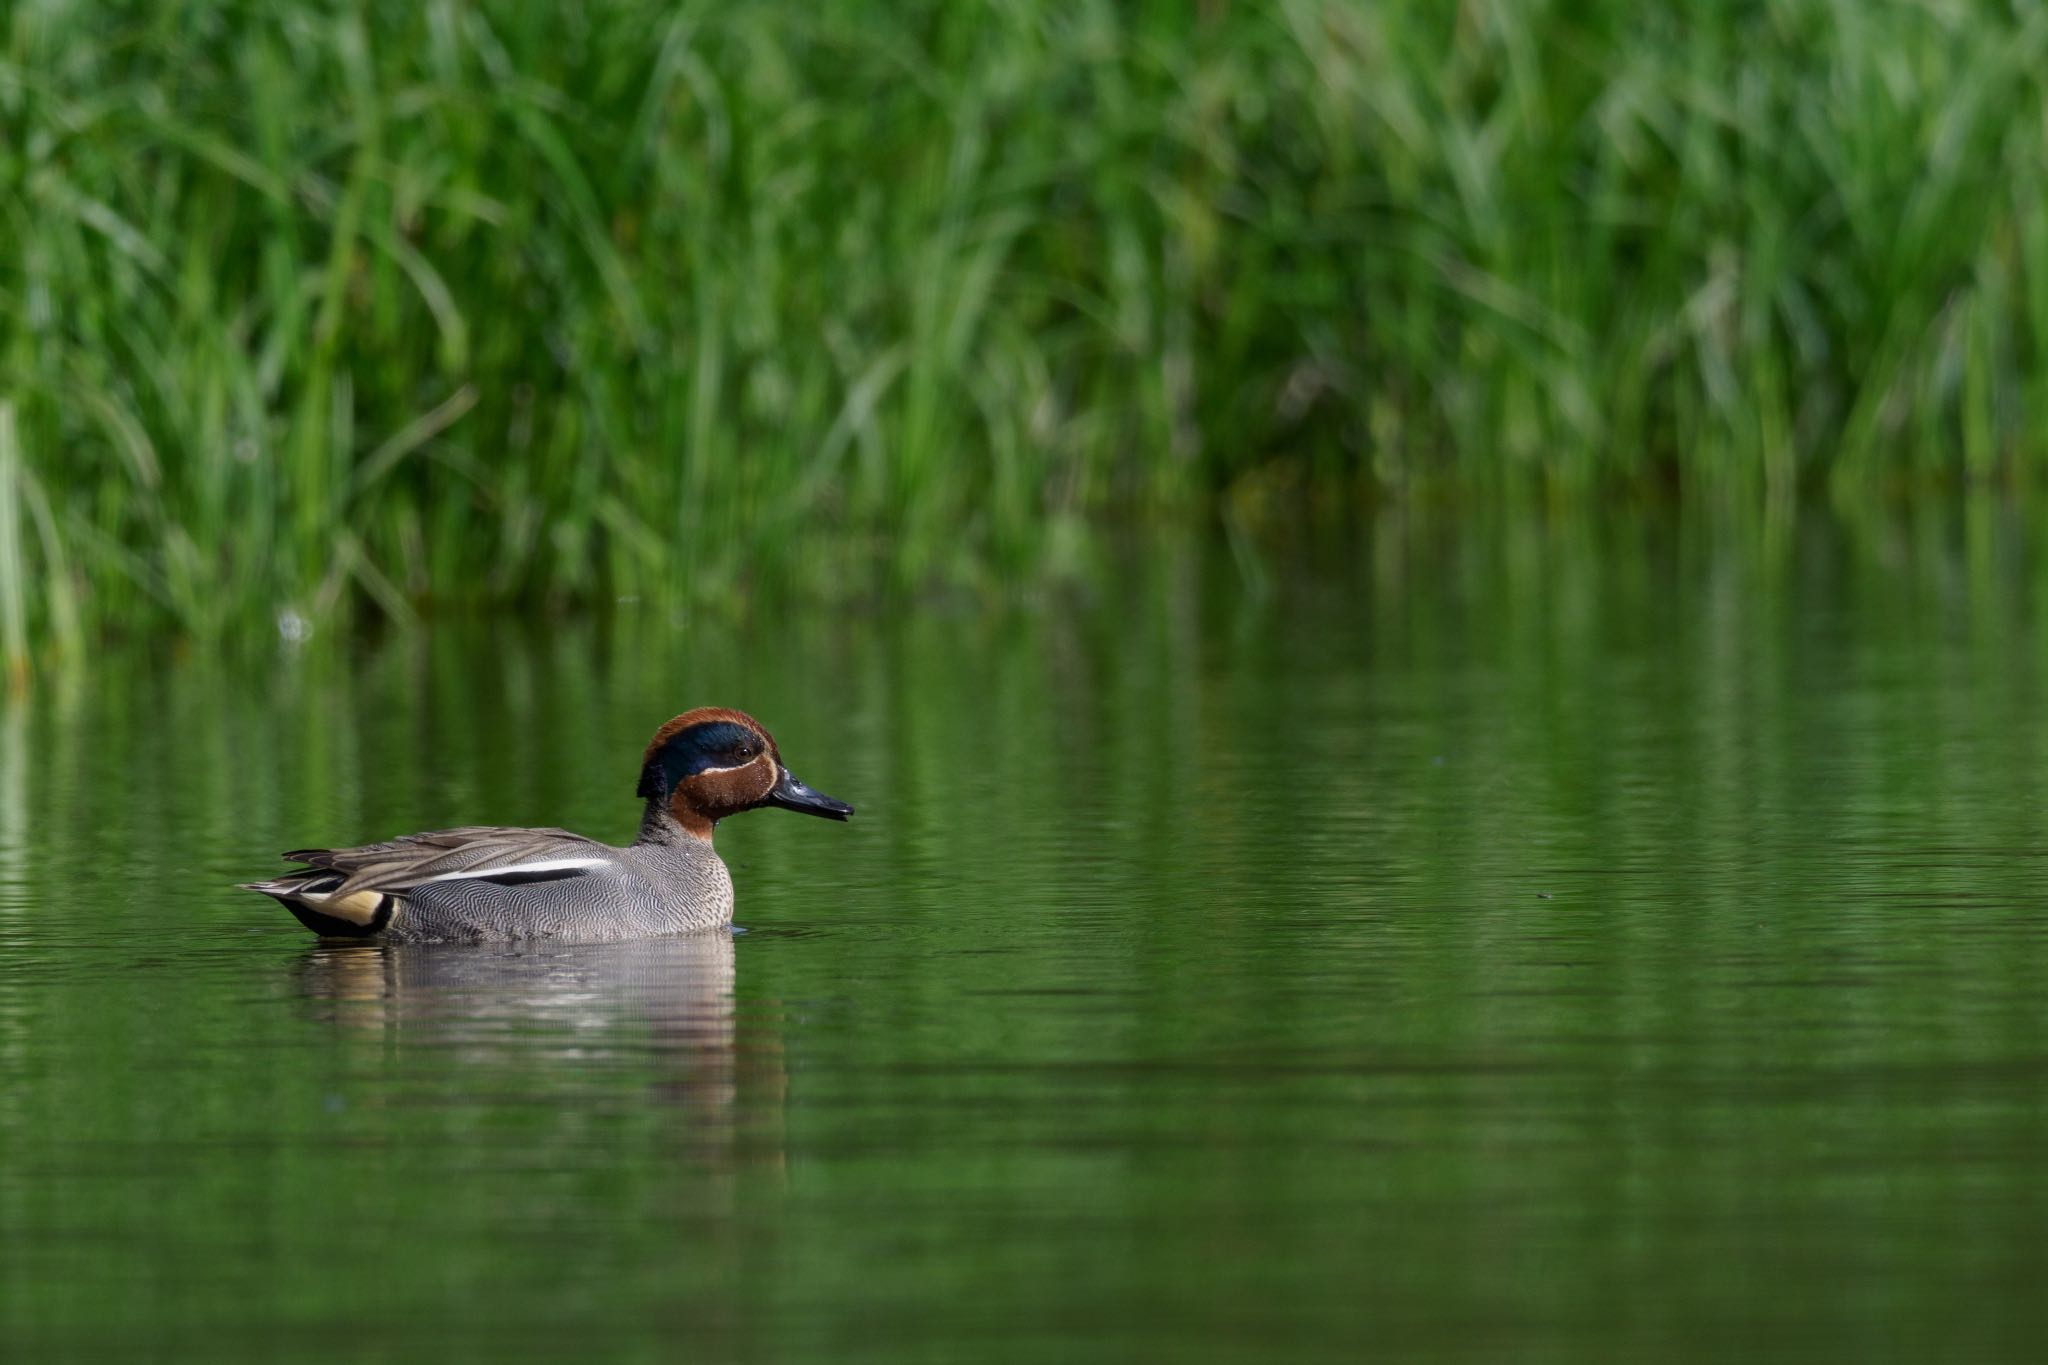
<point x="438" y="303"/>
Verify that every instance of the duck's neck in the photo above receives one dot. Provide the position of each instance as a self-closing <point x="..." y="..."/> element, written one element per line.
<point x="661" y="825"/>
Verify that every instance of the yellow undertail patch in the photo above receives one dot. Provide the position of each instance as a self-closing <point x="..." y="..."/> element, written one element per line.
<point x="358" y="907"/>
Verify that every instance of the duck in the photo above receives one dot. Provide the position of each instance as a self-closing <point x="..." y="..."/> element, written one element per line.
<point x="483" y="883"/>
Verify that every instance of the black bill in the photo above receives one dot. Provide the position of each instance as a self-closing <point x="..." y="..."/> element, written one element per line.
<point x="791" y="794"/>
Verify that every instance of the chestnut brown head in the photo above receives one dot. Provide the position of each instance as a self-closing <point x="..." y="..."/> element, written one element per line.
<point x="710" y="763"/>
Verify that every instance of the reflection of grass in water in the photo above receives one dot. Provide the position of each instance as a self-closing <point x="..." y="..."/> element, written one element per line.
<point x="450" y="303"/>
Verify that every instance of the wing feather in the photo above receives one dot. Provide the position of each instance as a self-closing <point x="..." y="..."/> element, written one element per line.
<point x="401" y="864"/>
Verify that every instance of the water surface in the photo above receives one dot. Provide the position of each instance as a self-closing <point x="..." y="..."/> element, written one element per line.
<point x="1547" y="942"/>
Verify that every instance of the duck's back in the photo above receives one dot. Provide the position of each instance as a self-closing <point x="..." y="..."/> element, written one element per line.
<point x="494" y="884"/>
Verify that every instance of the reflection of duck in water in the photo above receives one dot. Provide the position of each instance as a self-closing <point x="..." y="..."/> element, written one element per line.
<point x="682" y="986"/>
<point x="499" y="885"/>
<point x="667" y="1002"/>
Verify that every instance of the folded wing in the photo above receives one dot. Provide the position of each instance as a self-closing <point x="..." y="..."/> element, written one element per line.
<point x="353" y="892"/>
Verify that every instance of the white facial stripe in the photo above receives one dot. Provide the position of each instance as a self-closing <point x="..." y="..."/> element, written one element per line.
<point x="543" y="865"/>
<point x="733" y="769"/>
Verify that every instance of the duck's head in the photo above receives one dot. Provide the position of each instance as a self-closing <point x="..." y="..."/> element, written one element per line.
<point x="709" y="763"/>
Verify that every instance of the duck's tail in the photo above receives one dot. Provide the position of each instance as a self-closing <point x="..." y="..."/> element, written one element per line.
<point x="314" y="895"/>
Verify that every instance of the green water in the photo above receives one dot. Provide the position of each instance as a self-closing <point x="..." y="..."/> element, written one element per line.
<point x="1595" y="941"/>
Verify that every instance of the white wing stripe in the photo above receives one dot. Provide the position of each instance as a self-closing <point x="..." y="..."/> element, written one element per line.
<point x="544" y="865"/>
